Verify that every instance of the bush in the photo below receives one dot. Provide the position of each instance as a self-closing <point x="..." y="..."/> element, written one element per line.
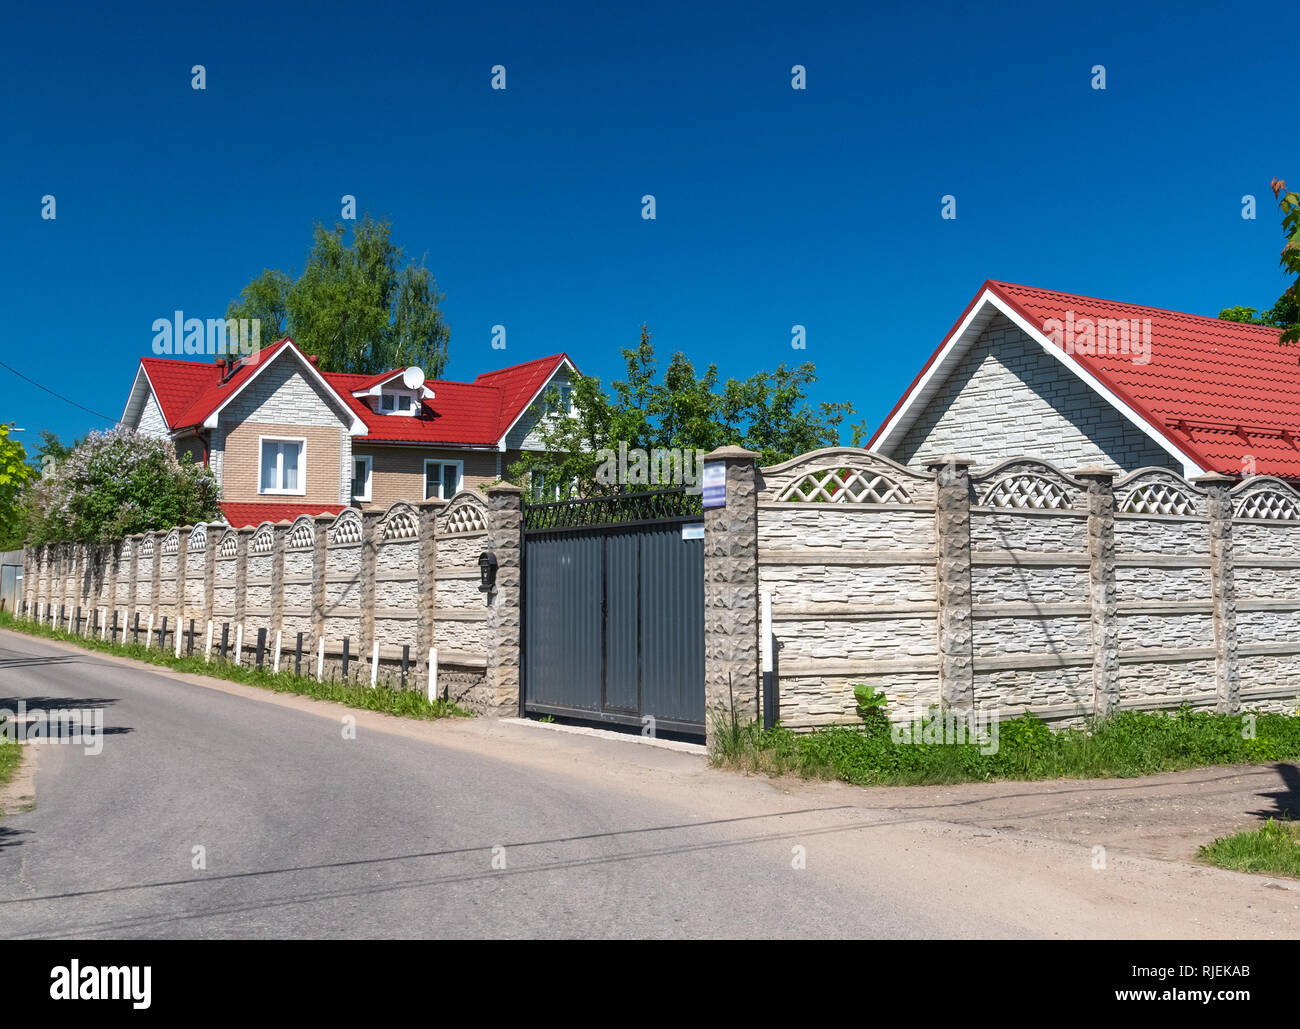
<point x="116" y="483"/>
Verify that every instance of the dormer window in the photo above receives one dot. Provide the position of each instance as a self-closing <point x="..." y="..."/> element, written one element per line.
<point x="395" y="403"/>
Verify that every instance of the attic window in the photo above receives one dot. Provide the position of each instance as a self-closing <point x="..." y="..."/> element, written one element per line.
<point x="395" y="403"/>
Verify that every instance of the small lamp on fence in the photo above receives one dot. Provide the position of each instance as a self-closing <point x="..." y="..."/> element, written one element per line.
<point x="487" y="572"/>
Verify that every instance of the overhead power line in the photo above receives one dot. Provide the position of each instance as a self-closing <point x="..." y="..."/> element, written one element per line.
<point x="59" y="395"/>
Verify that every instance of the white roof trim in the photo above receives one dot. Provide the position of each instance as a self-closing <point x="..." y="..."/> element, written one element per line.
<point x="130" y="397"/>
<point x="372" y="391"/>
<point x="959" y="342"/>
<point x="357" y="427"/>
<point x="501" y="443"/>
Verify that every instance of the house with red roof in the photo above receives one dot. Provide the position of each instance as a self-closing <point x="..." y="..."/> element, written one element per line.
<point x="1084" y="381"/>
<point x="285" y="438"/>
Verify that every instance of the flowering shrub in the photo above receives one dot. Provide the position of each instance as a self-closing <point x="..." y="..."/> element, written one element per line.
<point x="116" y="483"/>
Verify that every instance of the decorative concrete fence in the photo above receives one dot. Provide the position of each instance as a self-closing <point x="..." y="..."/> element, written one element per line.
<point x="385" y="596"/>
<point x="1019" y="587"/>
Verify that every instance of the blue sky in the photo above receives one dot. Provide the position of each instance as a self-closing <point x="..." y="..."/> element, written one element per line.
<point x="775" y="207"/>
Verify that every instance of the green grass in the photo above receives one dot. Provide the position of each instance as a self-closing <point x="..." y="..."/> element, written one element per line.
<point x="1130" y="743"/>
<point x="1272" y="849"/>
<point x="11" y="754"/>
<point x="406" y="703"/>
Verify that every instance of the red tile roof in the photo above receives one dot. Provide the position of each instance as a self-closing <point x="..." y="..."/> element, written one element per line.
<point x="1219" y="391"/>
<point x="460" y="413"/>
<point x="241" y="516"/>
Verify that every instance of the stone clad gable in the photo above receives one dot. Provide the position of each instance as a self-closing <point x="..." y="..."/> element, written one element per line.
<point x="283" y="395"/>
<point x="1007" y="397"/>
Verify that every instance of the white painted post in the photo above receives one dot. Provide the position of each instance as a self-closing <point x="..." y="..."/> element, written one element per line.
<point x="374" y="664"/>
<point x="276" y="667"/>
<point x="207" y="647"/>
<point x="103" y="623"/>
<point x="320" y="660"/>
<point x="766" y="637"/>
<point x="239" y="643"/>
<point x="148" y="633"/>
<point x="178" y="634"/>
<point x="433" y="674"/>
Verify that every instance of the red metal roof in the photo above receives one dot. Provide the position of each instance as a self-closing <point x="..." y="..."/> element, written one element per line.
<point x="460" y="413"/>
<point x="241" y="516"/>
<point x="1220" y="391"/>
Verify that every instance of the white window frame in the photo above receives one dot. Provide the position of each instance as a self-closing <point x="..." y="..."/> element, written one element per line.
<point x="460" y="476"/>
<point x="370" y="476"/>
<point x="302" y="466"/>
<point x="413" y="407"/>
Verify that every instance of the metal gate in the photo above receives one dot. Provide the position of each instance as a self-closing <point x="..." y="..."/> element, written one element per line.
<point x="614" y="609"/>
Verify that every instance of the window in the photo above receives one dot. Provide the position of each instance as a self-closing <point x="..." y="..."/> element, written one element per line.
<point x="361" y="468"/>
<point x="395" y="403"/>
<point x="563" y="401"/>
<point x="283" y="468"/>
<point x="442" y="479"/>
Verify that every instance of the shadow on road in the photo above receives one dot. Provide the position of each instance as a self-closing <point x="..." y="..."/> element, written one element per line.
<point x="1286" y="801"/>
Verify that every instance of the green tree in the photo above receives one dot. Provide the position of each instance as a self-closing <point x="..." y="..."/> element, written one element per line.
<point x="115" y="483"/>
<point x="355" y="305"/>
<point x="15" y="475"/>
<point x="769" y="412"/>
<point x="1285" y="314"/>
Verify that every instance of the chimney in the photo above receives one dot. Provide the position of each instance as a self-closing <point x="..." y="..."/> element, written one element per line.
<point x="221" y="365"/>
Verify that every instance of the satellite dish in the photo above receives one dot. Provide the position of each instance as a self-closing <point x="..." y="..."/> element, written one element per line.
<point x="413" y="377"/>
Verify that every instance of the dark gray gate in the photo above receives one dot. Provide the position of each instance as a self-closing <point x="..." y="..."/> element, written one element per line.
<point x="614" y="609"/>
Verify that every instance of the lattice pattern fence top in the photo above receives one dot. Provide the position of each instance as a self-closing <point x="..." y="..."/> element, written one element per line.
<point x="1157" y="498"/>
<point x="463" y="517"/>
<point x="1268" y="503"/>
<point x="263" y="541"/>
<point x="303" y="535"/>
<point x="400" y="525"/>
<point x="1027" y="492"/>
<point x="614" y="509"/>
<point x="199" y="538"/>
<point x="146" y="547"/>
<point x="845" y="486"/>
<point x="229" y="546"/>
<point x="346" y="529"/>
<point x="172" y="544"/>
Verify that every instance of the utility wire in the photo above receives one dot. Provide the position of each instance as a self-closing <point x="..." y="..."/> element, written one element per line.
<point x="59" y="395"/>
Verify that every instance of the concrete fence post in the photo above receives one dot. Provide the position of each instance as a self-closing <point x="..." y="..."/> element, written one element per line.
<point x="320" y="543"/>
<point x="1103" y="594"/>
<point x="427" y="572"/>
<point x="242" y="537"/>
<point x="505" y="538"/>
<point x="953" y="583"/>
<point x="134" y="573"/>
<point x="182" y="559"/>
<point x="155" y="594"/>
<point x="366" y="588"/>
<point x="731" y="605"/>
<point x="279" y="544"/>
<point x="1227" y="678"/>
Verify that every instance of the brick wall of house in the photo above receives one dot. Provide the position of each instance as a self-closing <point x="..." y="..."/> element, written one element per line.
<point x="1007" y="397"/>
<point x="397" y="473"/>
<point x="282" y="401"/>
<point x="242" y="456"/>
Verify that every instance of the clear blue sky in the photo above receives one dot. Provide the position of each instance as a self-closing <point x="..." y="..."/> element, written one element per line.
<point x="775" y="207"/>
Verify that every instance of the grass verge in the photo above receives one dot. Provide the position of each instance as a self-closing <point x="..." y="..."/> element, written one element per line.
<point x="1127" y="744"/>
<point x="1272" y="849"/>
<point x="406" y="703"/>
<point x="11" y="754"/>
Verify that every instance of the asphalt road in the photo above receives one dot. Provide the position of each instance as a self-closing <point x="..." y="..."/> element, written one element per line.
<point x="465" y="828"/>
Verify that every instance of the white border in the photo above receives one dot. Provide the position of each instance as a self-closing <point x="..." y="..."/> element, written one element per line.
<point x="958" y="344"/>
<point x="302" y="467"/>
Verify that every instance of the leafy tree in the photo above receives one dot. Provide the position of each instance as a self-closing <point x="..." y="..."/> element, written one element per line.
<point x="15" y="474"/>
<point x="115" y="483"/>
<point x="769" y="412"/>
<point x="51" y="450"/>
<point x="355" y="305"/>
<point x="1285" y="314"/>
